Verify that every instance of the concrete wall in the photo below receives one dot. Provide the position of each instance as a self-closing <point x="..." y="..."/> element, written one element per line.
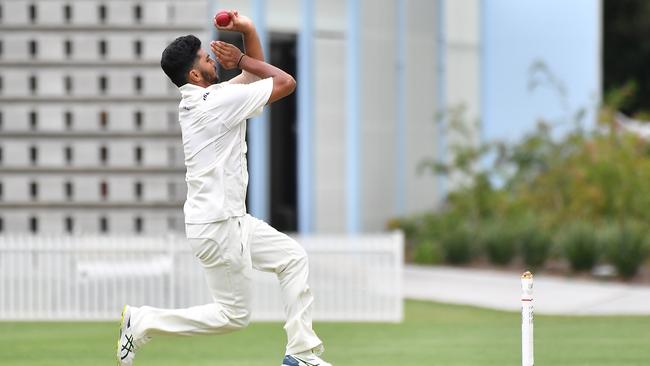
<point x="159" y="172"/>
<point x="462" y="75"/>
<point x="421" y="95"/>
<point x="378" y="144"/>
<point x="163" y="20"/>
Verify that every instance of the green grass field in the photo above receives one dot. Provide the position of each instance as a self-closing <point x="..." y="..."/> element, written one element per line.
<point x="432" y="334"/>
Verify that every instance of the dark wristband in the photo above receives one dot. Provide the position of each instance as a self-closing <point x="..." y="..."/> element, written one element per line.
<point x="240" y="57"/>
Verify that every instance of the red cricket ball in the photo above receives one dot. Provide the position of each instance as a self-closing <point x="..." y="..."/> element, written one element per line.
<point x="222" y="19"/>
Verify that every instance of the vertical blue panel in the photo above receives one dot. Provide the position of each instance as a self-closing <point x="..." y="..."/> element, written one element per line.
<point x="400" y="110"/>
<point x="305" y="117"/>
<point x="352" y="118"/>
<point x="482" y="69"/>
<point x="258" y="186"/>
<point x="441" y="92"/>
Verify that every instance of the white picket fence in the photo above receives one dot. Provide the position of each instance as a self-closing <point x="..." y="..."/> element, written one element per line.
<point x="356" y="278"/>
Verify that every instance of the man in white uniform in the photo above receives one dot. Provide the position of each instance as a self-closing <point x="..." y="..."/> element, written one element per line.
<point x="227" y="241"/>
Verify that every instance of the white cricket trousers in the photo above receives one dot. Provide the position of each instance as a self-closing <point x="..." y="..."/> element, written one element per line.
<point x="228" y="252"/>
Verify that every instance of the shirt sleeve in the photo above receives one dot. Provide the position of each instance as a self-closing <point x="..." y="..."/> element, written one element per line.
<point x="234" y="103"/>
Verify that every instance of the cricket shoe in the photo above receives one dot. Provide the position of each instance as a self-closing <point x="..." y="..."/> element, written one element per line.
<point x="308" y="358"/>
<point x="125" y="343"/>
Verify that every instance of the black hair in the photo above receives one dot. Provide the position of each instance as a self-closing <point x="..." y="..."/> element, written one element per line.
<point x="179" y="57"/>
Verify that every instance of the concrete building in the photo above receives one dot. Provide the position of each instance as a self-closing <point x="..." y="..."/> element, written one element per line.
<point x="372" y="77"/>
<point x="89" y="139"/>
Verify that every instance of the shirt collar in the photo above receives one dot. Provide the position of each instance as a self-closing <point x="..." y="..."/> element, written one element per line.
<point x="190" y="89"/>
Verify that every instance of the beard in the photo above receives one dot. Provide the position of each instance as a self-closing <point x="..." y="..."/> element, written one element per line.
<point x="209" y="77"/>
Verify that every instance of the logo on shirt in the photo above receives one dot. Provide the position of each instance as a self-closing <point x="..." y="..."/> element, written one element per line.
<point x="205" y="96"/>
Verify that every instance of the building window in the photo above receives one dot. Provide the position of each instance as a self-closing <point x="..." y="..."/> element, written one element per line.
<point x="33" y="191"/>
<point x="103" y="84"/>
<point x="2" y="225"/>
<point x="32" y="84"/>
<point x="68" y="84"/>
<point x="68" y="120"/>
<point x="172" y="121"/>
<point x="138" y="155"/>
<point x="1" y="155"/>
<point x="137" y="13"/>
<point x="138" y="224"/>
<point x="171" y="13"/>
<point x="1" y="48"/>
<point x="67" y="13"/>
<point x="103" y="224"/>
<point x="102" y="14"/>
<point x="69" y="225"/>
<point x="172" y="223"/>
<point x="1" y="120"/>
<point x="67" y="48"/>
<point x="69" y="191"/>
<point x="137" y="83"/>
<point x="68" y="155"/>
<point x="171" y="155"/>
<point x="137" y="190"/>
<point x="33" y="120"/>
<point x="137" y="48"/>
<point x="137" y="119"/>
<point x="33" y="49"/>
<point x="33" y="155"/>
<point x="103" y="155"/>
<point x="33" y="224"/>
<point x="103" y="48"/>
<point x="171" y="190"/>
<point x="103" y="190"/>
<point x="32" y="13"/>
<point x="1" y="191"/>
<point x="103" y="120"/>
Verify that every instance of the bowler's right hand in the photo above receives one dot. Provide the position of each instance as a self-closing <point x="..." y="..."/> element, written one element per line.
<point x="238" y="23"/>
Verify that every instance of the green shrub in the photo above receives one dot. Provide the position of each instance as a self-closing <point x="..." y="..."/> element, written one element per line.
<point x="626" y="248"/>
<point x="409" y="227"/>
<point x="427" y="252"/>
<point x="535" y="245"/>
<point x="457" y="245"/>
<point x="580" y="246"/>
<point x="499" y="240"/>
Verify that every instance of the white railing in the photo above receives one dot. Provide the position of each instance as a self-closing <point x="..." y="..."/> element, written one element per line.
<point x="90" y="278"/>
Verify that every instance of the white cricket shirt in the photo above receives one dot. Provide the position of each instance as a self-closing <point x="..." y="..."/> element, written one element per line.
<point x="213" y="124"/>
